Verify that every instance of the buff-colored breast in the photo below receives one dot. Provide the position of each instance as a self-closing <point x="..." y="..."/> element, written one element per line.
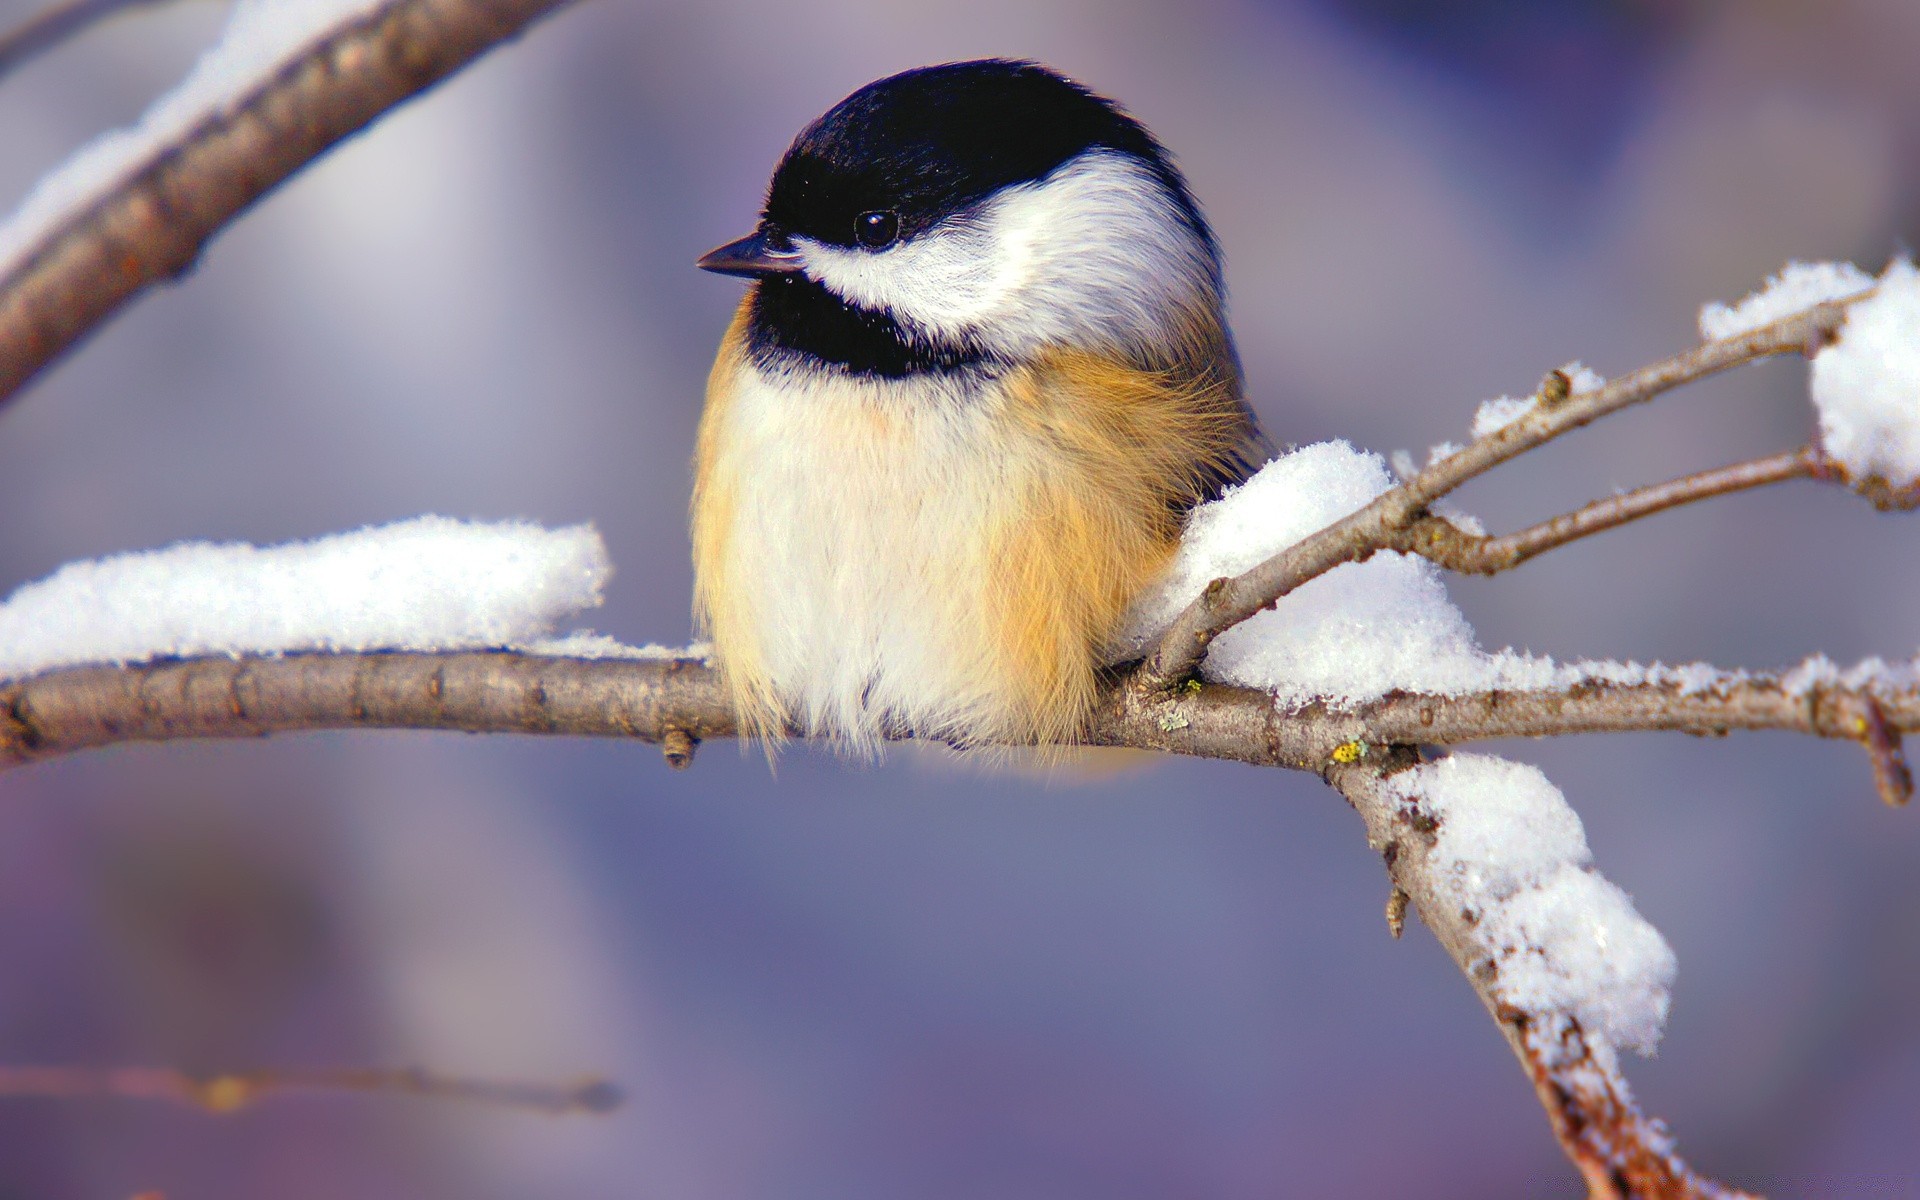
<point x="874" y="557"/>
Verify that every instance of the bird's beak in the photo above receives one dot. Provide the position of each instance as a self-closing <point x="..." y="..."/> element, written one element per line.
<point x="754" y="256"/>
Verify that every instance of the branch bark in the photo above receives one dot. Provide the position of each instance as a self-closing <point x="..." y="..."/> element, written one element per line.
<point x="678" y="703"/>
<point x="485" y="692"/>
<point x="152" y="225"/>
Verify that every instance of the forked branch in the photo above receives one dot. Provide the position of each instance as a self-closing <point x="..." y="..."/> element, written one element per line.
<point x="1392" y="516"/>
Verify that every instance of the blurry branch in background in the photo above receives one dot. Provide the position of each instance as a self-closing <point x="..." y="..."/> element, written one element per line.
<point x="231" y="1091"/>
<point x="51" y="26"/>
<point x="152" y="225"/>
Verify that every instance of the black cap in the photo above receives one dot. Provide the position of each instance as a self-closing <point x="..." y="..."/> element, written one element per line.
<point x="927" y="143"/>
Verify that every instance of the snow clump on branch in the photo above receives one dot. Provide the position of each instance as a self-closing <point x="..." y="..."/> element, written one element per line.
<point x="1362" y="629"/>
<point x="1798" y="287"/>
<point x="1866" y="385"/>
<point x="1866" y="382"/>
<point x="427" y="584"/>
<point x="1494" y="415"/>
<point x="1562" y="940"/>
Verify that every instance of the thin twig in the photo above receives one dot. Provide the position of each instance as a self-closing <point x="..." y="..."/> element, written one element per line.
<point x="1892" y="778"/>
<point x="152" y="225"/>
<point x="50" y="26"/>
<point x="1227" y="602"/>
<point x="1454" y="548"/>
<point x="230" y="1091"/>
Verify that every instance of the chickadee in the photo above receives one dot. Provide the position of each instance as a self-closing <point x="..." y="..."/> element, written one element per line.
<point x="981" y="374"/>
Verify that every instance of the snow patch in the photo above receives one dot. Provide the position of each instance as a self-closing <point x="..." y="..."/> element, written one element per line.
<point x="1362" y="629"/>
<point x="1494" y="415"/>
<point x="1866" y="385"/>
<point x="1564" y="941"/>
<point x="427" y="584"/>
<point x="1798" y="287"/>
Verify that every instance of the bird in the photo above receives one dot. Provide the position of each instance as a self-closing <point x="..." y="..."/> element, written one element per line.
<point x="981" y="373"/>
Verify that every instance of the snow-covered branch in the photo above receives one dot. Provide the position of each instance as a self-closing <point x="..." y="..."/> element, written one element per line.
<point x="1353" y="664"/>
<point x="138" y="206"/>
<point x="662" y="700"/>
<point x="1393" y="520"/>
<point x="1436" y="858"/>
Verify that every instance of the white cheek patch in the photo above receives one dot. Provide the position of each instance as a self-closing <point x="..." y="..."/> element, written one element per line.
<point x="1096" y="254"/>
<point x="945" y="280"/>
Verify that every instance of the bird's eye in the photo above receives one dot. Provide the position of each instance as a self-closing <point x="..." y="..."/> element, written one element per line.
<point x="876" y="229"/>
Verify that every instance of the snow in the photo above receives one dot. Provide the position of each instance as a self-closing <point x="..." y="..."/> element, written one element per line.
<point x="1494" y="415"/>
<point x="1510" y="850"/>
<point x="427" y="584"/>
<point x="1359" y="631"/>
<point x="1798" y="287"/>
<point x="1866" y="384"/>
<point x="583" y="643"/>
<point x="261" y="36"/>
<point x="1869" y="675"/>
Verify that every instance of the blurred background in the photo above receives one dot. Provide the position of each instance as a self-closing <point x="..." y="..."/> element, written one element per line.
<point x="919" y="980"/>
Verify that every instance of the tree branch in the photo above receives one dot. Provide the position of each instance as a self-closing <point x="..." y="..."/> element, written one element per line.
<point x="1381" y="523"/>
<point x="678" y="702"/>
<point x="477" y="692"/>
<point x="153" y="224"/>
<point x="55" y="24"/>
<point x="232" y="1091"/>
<point x="1455" y="549"/>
